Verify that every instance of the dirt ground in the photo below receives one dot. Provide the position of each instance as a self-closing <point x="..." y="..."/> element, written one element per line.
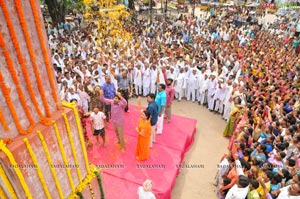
<point x="208" y="147"/>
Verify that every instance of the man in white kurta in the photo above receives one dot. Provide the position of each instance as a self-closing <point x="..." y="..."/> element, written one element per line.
<point x="146" y="80"/>
<point x="193" y="85"/>
<point x="138" y="80"/>
<point x="153" y="79"/>
<point x="187" y="73"/>
<point x="212" y="85"/>
<point x="178" y="84"/>
<point x="203" y="87"/>
<point x="219" y="96"/>
<point x="228" y="100"/>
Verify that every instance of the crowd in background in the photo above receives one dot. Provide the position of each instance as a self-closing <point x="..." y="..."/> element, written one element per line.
<point x="245" y="70"/>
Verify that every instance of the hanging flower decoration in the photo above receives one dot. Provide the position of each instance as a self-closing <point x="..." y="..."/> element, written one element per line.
<point x="44" y="51"/>
<point x="31" y="54"/>
<point x="21" y="61"/>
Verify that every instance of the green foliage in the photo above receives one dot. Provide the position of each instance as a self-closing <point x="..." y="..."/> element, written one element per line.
<point x="68" y="4"/>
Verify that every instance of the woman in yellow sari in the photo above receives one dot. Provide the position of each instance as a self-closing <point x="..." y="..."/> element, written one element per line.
<point x="144" y="133"/>
<point x="230" y="126"/>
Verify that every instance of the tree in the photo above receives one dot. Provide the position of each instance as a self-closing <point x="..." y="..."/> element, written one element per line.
<point x="58" y="9"/>
<point x="131" y="4"/>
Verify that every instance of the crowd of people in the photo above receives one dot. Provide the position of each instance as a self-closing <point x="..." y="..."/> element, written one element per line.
<point x="246" y="72"/>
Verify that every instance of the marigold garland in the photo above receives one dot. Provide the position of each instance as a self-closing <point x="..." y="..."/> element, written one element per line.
<point x="15" y="79"/>
<point x="2" y="193"/>
<point x="7" y="184"/>
<point x="22" y="63"/>
<point x="44" y="51"/>
<point x="50" y="162"/>
<point x="38" y="169"/>
<point x="6" y="94"/>
<point x="31" y="54"/>
<point x="92" y="173"/>
<point x="63" y="154"/>
<point x="80" y="133"/>
<point x="3" y="121"/>
<point x="72" y="144"/>
<point x="19" y="174"/>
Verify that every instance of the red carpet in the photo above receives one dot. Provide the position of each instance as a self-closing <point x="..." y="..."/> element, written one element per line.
<point x="167" y="152"/>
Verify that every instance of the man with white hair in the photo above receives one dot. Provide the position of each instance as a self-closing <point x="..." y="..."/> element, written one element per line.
<point x="73" y="95"/>
<point x="145" y="191"/>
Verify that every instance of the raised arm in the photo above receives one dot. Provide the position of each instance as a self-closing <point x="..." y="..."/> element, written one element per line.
<point x="105" y="100"/>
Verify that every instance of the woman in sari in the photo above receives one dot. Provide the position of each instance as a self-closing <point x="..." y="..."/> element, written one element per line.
<point x="144" y="134"/>
<point x="234" y="115"/>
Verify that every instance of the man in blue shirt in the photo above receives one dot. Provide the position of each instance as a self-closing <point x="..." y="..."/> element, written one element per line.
<point x="161" y="101"/>
<point x="153" y="110"/>
<point x="109" y="91"/>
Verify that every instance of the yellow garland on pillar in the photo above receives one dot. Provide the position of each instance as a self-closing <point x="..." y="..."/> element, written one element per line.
<point x="63" y="154"/>
<point x="46" y="150"/>
<point x="7" y="184"/>
<point x="72" y="145"/>
<point x="2" y="193"/>
<point x="80" y="133"/>
<point x="38" y="169"/>
<point x="19" y="174"/>
<point x="85" y="182"/>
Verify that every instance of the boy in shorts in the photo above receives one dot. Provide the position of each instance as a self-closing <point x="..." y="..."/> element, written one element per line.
<point x="98" y="125"/>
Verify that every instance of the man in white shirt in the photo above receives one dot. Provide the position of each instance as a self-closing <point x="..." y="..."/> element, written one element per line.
<point x="193" y="85"/>
<point x="71" y="95"/>
<point x="138" y="80"/>
<point x="144" y="192"/>
<point x="98" y="124"/>
<point x="146" y="80"/>
<point x="239" y="190"/>
<point x="290" y="192"/>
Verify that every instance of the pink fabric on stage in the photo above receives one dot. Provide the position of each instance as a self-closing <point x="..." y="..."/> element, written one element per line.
<point x="128" y="174"/>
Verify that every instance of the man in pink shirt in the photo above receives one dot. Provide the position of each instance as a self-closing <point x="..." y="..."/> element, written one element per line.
<point x="117" y="115"/>
<point x="170" y="97"/>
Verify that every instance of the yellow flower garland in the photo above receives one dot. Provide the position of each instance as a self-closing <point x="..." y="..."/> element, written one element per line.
<point x="46" y="150"/>
<point x="80" y="133"/>
<point x="72" y="144"/>
<point x="87" y="180"/>
<point x="38" y="169"/>
<point x="19" y="174"/>
<point x="2" y="193"/>
<point x="7" y="184"/>
<point x="63" y="154"/>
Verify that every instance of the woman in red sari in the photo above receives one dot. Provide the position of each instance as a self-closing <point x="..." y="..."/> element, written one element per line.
<point x="144" y="134"/>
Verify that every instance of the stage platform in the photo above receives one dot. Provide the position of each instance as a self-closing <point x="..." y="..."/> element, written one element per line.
<point x="122" y="174"/>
